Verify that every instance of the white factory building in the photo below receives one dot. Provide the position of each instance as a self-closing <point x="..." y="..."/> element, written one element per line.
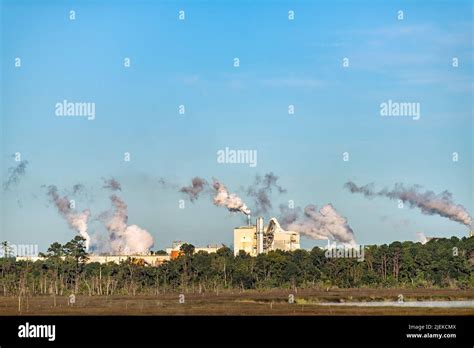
<point x="148" y="259"/>
<point x="257" y="239"/>
<point x="252" y="239"/>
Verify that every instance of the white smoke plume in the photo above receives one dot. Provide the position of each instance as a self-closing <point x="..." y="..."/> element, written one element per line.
<point x="77" y="221"/>
<point x="126" y="239"/>
<point x="420" y="237"/>
<point x="260" y="190"/>
<point x="326" y="223"/>
<point x="195" y="189"/>
<point x="231" y="201"/>
<point x="428" y="202"/>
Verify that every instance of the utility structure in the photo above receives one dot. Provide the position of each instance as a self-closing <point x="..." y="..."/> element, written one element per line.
<point x="259" y="239"/>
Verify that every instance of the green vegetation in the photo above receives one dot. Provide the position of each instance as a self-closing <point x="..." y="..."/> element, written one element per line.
<point x="407" y="264"/>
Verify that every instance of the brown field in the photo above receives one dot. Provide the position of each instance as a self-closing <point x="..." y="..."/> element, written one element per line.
<point x="271" y="302"/>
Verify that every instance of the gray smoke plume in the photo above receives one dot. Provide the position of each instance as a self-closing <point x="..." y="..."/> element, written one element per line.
<point x="197" y="186"/>
<point x="15" y="174"/>
<point x="111" y="184"/>
<point x="428" y="202"/>
<point x="77" y="188"/>
<point x="326" y="223"/>
<point x="231" y="201"/>
<point x="261" y="190"/>
<point x="164" y="183"/>
<point x="77" y="221"/>
<point x="287" y="215"/>
<point x="80" y="191"/>
<point x="366" y="190"/>
<point x="125" y="239"/>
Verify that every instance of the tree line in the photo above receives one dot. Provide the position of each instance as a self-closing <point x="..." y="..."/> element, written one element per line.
<point x="65" y="270"/>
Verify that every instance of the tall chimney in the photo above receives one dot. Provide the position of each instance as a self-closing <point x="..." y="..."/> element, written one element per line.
<point x="259" y="230"/>
<point x="249" y="220"/>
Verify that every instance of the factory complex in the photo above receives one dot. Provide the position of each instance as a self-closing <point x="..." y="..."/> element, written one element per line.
<point x="251" y="239"/>
<point x="258" y="239"/>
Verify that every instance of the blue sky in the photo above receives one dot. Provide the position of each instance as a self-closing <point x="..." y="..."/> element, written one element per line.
<point x="190" y="62"/>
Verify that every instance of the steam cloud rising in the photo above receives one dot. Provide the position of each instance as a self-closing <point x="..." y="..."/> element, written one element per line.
<point x="428" y="202"/>
<point x="124" y="238"/>
<point x="77" y="221"/>
<point x="229" y="200"/>
<point x="260" y="190"/>
<point x="420" y="237"/>
<point x="218" y="192"/>
<point x="326" y="223"/>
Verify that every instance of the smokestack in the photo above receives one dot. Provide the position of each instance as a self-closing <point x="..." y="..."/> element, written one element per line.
<point x="249" y="220"/>
<point x="260" y="228"/>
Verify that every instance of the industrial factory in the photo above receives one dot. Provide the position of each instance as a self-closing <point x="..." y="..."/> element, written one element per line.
<point x="143" y="260"/>
<point x="152" y="259"/>
<point x="252" y="239"/>
<point x="175" y="250"/>
<point x="258" y="239"/>
<point x="149" y="259"/>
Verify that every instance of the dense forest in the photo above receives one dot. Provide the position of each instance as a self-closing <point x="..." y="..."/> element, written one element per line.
<point x="438" y="263"/>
